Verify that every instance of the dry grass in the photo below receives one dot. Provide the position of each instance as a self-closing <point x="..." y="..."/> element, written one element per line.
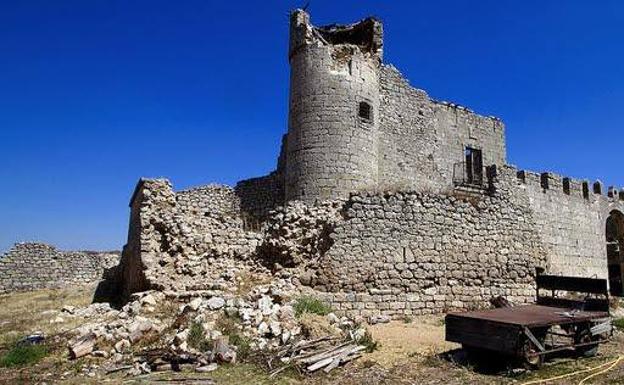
<point x="316" y="326"/>
<point x="25" y="313"/>
<point x="422" y="337"/>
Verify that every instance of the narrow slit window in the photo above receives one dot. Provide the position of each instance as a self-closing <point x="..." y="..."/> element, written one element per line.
<point x="365" y="111"/>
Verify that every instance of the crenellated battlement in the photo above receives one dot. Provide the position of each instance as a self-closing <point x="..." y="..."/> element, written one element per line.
<point x="551" y="183"/>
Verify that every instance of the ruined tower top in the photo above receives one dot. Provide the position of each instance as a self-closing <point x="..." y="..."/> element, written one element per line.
<point x="367" y="34"/>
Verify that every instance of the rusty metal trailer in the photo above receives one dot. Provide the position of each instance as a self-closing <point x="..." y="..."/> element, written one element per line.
<point x="580" y="321"/>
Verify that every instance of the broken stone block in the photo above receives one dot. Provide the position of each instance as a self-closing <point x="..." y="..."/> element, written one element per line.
<point x="215" y="303"/>
<point x="378" y="319"/>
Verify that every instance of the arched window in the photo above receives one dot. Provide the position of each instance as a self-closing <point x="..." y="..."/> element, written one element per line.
<point x="615" y="252"/>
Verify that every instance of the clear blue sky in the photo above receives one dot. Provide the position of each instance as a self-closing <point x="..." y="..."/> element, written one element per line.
<point x="95" y="94"/>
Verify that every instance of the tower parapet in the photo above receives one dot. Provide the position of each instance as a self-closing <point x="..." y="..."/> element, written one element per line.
<point x="333" y="124"/>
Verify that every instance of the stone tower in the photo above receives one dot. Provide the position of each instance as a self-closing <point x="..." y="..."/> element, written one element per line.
<point x="333" y="123"/>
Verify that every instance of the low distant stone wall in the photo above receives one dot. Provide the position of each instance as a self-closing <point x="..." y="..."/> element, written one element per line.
<point x="31" y="266"/>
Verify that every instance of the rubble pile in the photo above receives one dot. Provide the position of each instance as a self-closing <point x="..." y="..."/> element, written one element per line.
<point x="198" y="330"/>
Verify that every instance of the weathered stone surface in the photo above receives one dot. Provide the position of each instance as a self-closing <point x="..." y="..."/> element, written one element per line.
<point x="215" y="303"/>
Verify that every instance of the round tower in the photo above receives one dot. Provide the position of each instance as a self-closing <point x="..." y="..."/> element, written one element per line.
<point x="333" y="117"/>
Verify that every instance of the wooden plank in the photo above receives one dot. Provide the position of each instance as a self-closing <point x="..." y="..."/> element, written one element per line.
<point x="82" y="347"/>
<point x="589" y="304"/>
<point x="538" y="344"/>
<point x="330" y="352"/>
<point x="531" y="316"/>
<point x="341" y="358"/>
<point x="576" y="284"/>
<point x="320" y="364"/>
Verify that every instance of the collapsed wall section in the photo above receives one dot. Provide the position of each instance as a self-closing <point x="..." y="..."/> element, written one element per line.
<point x="182" y="241"/>
<point x="31" y="266"/>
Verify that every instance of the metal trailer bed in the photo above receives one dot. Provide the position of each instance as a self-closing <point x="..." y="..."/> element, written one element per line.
<point x="529" y="332"/>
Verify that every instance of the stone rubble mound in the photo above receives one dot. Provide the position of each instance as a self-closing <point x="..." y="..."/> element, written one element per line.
<point x="160" y="330"/>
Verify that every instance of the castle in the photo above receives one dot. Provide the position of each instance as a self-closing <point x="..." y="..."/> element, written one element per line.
<point x="395" y="203"/>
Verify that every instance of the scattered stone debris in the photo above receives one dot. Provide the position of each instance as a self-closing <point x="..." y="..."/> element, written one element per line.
<point x="199" y="330"/>
<point x="378" y="319"/>
<point x="83" y="346"/>
<point x="298" y="233"/>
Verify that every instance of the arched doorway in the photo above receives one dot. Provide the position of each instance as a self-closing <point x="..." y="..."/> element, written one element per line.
<point x="615" y="252"/>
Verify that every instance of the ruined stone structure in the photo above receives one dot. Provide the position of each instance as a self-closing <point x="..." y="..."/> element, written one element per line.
<point x="383" y="200"/>
<point x="29" y="266"/>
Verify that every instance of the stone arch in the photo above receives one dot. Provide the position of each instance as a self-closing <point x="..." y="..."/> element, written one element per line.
<point x="615" y="251"/>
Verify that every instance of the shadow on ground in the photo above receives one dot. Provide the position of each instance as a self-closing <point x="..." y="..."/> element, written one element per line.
<point x="492" y="363"/>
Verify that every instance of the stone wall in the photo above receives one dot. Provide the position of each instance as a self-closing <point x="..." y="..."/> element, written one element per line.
<point x="421" y="140"/>
<point x="397" y="252"/>
<point x="31" y="266"/>
<point x="213" y="198"/>
<point x="571" y="223"/>
<point x="408" y="143"/>
<point x="176" y="242"/>
<point x="258" y="196"/>
<point x="404" y="253"/>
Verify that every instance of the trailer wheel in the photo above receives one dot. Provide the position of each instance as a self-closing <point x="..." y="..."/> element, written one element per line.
<point x="582" y="337"/>
<point x="531" y="359"/>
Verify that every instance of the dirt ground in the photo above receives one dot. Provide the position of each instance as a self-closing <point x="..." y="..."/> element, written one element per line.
<point x="409" y="353"/>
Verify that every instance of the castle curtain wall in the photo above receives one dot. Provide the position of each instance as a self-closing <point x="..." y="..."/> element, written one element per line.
<point x="571" y="224"/>
<point x="406" y="253"/>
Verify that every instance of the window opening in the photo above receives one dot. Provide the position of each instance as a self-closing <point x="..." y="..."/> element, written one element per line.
<point x="365" y="111"/>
